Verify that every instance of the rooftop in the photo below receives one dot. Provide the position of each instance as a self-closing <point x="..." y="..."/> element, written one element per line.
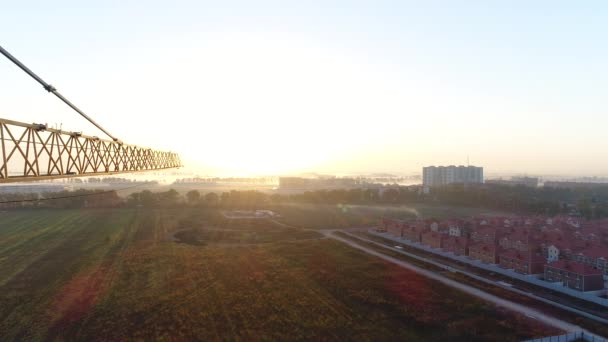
<point x="575" y="267"/>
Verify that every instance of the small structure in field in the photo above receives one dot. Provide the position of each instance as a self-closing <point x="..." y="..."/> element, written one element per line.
<point x="250" y="214"/>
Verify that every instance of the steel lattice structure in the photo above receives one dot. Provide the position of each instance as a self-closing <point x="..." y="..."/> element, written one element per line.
<point x="36" y="152"/>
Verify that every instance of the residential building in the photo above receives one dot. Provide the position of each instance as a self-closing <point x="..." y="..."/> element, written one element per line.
<point x="433" y="239"/>
<point x="520" y="239"/>
<point x="457" y="245"/>
<point x="552" y="254"/>
<point x="455" y="228"/>
<point x="413" y="232"/>
<point x="593" y="256"/>
<point x="486" y="252"/>
<point x="574" y="275"/>
<point x="528" y="262"/>
<point x="443" y="175"/>
<point x="394" y="227"/>
<point x="486" y="234"/>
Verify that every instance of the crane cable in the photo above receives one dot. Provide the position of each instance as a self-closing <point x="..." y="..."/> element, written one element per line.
<point x="52" y="89"/>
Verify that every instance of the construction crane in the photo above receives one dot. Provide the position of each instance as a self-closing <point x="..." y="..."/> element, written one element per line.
<point x="33" y="152"/>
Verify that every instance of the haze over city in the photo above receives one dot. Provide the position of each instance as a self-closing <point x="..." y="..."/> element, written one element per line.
<point x="329" y="86"/>
<point x="282" y="170"/>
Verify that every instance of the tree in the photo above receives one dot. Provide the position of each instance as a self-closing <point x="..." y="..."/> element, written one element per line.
<point x="225" y="198"/>
<point x="211" y="198"/>
<point x="147" y="198"/>
<point x="169" y="198"/>
<point x="193" y="196"/>
<point x="390" y="195"/>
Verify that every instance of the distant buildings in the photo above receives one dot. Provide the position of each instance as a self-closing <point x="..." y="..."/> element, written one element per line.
<point x="525" y="181"/>
<point x="573" y="185"/>
<point x="301" y="183"/>
<point x="443" y="175"/>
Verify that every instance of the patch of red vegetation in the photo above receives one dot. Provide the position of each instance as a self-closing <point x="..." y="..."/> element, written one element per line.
<point x="251" y="268"/>
<point x="415" y="291"/>
<point x="76" y="298"/>
<point x="323" y="265"/>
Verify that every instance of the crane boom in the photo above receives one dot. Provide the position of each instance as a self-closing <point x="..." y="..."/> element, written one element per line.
<point x="52" y="89"/>
<point x="30" y="152"/>
<point x="36" y="152"/>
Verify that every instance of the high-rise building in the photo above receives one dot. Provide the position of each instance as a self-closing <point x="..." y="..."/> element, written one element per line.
<point x="442" y="175"/>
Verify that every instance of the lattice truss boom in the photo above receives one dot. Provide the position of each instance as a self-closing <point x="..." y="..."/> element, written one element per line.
<point x="35" y="152"/>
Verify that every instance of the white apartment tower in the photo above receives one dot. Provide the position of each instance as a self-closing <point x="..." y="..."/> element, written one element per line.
<point x="442" y="175"/>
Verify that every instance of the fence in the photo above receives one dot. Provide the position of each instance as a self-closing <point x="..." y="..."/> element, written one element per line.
<point x="576" y="336"/>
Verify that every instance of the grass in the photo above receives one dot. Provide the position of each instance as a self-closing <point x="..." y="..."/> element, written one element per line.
<point x="114" y="274"/>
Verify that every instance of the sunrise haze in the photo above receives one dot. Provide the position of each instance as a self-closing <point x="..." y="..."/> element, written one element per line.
<point x="328" y="86"/>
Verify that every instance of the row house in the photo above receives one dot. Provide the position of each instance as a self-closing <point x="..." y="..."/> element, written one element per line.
<point x="520" y="239"/>
<point x="456" y="227"/>
<point x="434" y="226"/>
<point x="487" y="234"/>
<point x="479" y="222"/>
<point x="486" y="252"/>
<point x="593" y="256"/>
<point x="563" y="221"/>
<point x="433" y="239"/>
<point x="574" y="275"/>
<point x="589" y="238"/>
<point x="385" y="223"/>
<point x="528" y="262"/>
<point x="455" y="231"/>
<point x="575" y="251"/>
<point x="394" y="227"/>
<point x="496" y="221"/>
<point x="459" y="228"/>
<point x="594" y="234"/>
<point x="551" y="253"/>
<point x="456" y="244"/>
<point x="551" y="241"/>
<point x="413" y="232"/>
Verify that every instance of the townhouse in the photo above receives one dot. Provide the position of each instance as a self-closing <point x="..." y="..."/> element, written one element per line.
<point x="574" y="275"/>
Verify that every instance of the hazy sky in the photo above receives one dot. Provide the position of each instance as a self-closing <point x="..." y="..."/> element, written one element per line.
<point x="329" y="86"/>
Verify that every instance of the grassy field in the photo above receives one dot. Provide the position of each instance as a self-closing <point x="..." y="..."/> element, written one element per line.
<point x="116" y="274"/>
<point x="238" y="231"/>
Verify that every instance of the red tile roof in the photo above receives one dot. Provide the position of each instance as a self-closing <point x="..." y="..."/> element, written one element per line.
<point x="434" y="234"/>
<point x="486" y="231"/>
<point x="595" y="252"/>
<point x="490" y="247"/>
<point x="575" y="267"/>
<point x="524" y="256"/>
<point x="457" y="241"/>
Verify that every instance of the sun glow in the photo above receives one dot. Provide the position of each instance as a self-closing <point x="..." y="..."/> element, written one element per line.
<point x="268" y="106"/>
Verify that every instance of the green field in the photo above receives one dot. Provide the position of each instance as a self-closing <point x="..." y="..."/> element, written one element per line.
<point x="117" y="274"/>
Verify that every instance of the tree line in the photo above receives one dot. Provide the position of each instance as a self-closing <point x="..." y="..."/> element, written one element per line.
<point x="587" y="202"/>
<point x="62" y="199"/>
